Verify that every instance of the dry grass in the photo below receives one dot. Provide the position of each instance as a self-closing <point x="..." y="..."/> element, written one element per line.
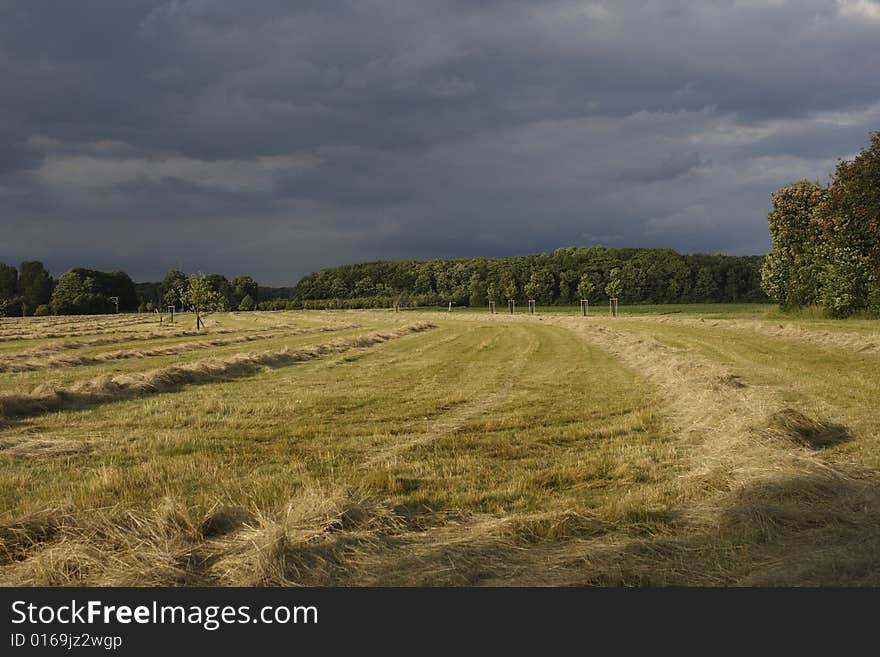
<point x="52" y="348"/>
<point x="826" y="335"/>
<point x="793" y="425"/>
<point x="112" y="388"/>
<point x="490" y="450"/>
<point x="26" y="362"/>
<point x="305" y="541"/>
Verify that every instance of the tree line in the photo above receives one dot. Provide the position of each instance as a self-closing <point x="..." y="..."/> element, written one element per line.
<point x="562" y="277"/>
<point x="826" y="240"/>
<point x="31" y="290"/>
<point x="240" y="293"/>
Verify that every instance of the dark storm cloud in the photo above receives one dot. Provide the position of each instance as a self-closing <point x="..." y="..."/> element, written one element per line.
<point x="275" y="137"/>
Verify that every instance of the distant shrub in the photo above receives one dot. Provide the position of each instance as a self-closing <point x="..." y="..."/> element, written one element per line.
<point x="43" y="310"/>
<point x="247" y="303"/>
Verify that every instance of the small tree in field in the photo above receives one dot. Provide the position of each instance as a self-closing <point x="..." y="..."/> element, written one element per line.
<point x="586" y="287"/>
<point x="615" y="283"/>
<point x="492" y="292"/>
<point x="510" y="289"/>
<point x="614" y="288"/>
<point x="202" y="298"/>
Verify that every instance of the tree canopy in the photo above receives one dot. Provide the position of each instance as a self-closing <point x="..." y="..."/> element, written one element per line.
<point x="647" y="275"/>
<point x="826" y="240"/>
<point x="88" y="291"/>
<point x="34" y="286"/>
<point x="202" y="298"/>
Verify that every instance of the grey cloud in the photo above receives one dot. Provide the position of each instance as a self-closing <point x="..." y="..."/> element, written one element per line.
<point x="276" y="137"/>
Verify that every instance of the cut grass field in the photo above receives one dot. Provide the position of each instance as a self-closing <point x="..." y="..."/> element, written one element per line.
<point x="695" y="446"/>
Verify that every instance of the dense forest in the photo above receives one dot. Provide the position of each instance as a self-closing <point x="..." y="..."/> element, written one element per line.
<point x="30" y="290"/>
<point x="561" y="277"/>
<point x="557" y="278"/>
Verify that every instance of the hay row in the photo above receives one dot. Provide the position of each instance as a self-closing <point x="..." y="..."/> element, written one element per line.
<point x="125" y="386"/>
<point x="69" y="345"/>
<point x="730" y="419"/>
<point x="71" y="327"/>
<point x="755" y="468"/>
<point x="848" y="341"/>
<point x="306" y="541"/>
<point x="97" y="327"/>
<point x="10" y="325"/>
<point x="42" y="335"/>
<point x="17" y="364"/>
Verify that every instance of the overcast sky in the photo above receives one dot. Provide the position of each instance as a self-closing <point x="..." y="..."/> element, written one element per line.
<point x="273" y="137"/>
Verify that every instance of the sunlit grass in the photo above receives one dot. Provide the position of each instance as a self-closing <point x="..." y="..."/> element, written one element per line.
<point x="487" y="450"/>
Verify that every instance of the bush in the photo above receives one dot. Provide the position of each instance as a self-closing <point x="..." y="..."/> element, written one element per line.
<point x="43" y="310"/>
<point x="247" y="303"/>
<point x="11" y="307"/>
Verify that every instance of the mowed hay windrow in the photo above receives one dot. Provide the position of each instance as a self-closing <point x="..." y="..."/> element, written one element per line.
<point x="793" y="425"/>
<point x="305" y="541"/>
<point x="753" y="458"/>
<point x="47" y="398"/>
<point x="18" y="364"/>
<point x="70" y="345"/>
<point x="837" y="339"/>
<point x="45" y="326"/>
<point x="112" y="339"/>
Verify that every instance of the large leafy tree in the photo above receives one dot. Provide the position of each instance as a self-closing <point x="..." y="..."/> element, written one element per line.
<point x="8" y="282"/>
<point x="826" y="241"/>
<point x="34" y="285"/>
<point x="568" y="278"/>
<point x="10" y="303"/>
<point x="243" y="286"/>
<point x="790" y="274"/>
<point x="173" y="287"/>
<point x="477" y="289"/>
<point x="848" y="220"/>
<point x="79" y="293"/>
<point x="220" y="284"/>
